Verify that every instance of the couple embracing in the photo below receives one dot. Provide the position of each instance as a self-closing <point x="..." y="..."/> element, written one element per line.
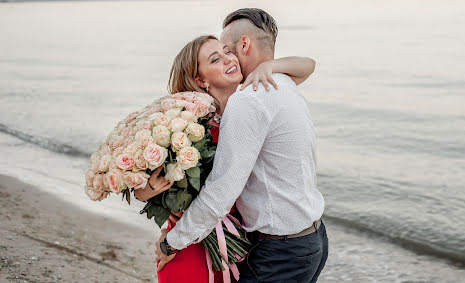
<point x="265" y="163"/>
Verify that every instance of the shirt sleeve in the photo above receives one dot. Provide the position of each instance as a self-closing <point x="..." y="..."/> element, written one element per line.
<point x="244" y="127"/>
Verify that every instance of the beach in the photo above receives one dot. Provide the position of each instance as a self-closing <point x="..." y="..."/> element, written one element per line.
<point x="44" y="239"/>
<point x="386" y="99"/>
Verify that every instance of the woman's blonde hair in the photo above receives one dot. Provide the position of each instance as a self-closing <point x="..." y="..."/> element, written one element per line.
<point x="186" y="67"/>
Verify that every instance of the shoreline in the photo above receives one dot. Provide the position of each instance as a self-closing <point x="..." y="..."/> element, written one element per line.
<point x="44" y="239"/>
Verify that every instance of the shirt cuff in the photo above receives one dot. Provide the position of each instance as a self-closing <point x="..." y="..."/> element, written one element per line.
<point x="174" y="241"/>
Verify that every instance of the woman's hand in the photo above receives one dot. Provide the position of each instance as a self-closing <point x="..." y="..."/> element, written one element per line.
<point x="159" y="185"/>
<point x="261" y="74"/>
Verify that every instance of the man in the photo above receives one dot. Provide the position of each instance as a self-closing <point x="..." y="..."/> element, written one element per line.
<point x="265" y="160"/>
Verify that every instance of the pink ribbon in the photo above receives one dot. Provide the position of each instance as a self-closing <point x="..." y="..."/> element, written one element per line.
<point x="223" y="250"/>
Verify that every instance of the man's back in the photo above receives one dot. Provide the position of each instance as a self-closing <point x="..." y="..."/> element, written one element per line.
<point x="280" y="196"/>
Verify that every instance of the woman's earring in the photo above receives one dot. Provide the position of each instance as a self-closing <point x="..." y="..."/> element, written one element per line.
<point x="207" y="89"/>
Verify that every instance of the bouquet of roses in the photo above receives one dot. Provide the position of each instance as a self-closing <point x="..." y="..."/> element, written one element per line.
<point x="172" y="132"/>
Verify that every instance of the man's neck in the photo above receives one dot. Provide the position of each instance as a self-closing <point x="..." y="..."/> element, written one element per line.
<point x="253" y="64"/>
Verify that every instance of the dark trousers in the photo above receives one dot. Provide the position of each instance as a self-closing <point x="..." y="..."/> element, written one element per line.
<point x="297" y="260"/>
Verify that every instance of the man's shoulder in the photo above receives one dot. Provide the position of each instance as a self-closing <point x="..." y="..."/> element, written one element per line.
<point x="281" y="80"/>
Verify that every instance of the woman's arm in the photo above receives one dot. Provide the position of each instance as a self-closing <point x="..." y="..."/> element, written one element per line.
<point x="297" y="68"/>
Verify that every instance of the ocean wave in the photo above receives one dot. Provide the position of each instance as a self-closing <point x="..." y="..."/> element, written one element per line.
<point x="45" y="143"/>
<point x="416" y="245"/>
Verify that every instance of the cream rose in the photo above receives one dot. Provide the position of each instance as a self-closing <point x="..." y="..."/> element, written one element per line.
<point x="135" y="180"/>
<point x="155" y="155"/>
<point x="118" y="151"/>
<point x="159" y="119"/>
<point x="173" y="113"/>
<point x="95" y="194"/>
<point x="97" y="183"/>
<point x="203" y="107"/>
<point x="90" y="178"/>
<point x="146" y="125"/>
<point x="144" y="138"/>
<point x="125" y="162"/>
<point x="179" y="140"/>
<point x="95" y="161"/>
<point x="188" y="116"/>
<point x="174" y="172"/>
<point x="188" y="157"/>
<point x="104" y="163"/>
<point x="196" y="132"/>
<point x="115" y="181"/>
<point x="161" y="135"/>
<point x="140" y="162"/>
<point x="181" y="103"/>
<point x="168" y="103"/>
<point x="178" y="125"/>
<point x="131" y="149"/>
<point x="189" y="96"/>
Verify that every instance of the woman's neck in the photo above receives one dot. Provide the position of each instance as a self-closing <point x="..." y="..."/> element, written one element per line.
<point x="222" y="95"/>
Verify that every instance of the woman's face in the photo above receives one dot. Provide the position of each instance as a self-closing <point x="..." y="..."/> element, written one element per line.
<point x="218" y="67"/>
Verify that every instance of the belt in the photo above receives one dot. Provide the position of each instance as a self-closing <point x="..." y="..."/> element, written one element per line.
<point x="262" y="236"/>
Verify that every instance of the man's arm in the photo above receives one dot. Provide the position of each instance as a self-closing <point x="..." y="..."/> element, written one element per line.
<point x="243" y="130"/>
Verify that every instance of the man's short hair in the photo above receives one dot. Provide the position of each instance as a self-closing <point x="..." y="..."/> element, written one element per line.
<point x="259" y="18"/>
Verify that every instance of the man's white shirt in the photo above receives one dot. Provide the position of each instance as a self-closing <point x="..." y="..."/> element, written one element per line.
<point x="265" y="162"/>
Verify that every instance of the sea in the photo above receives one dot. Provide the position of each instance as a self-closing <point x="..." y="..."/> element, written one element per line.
<point x="387" y="98"/>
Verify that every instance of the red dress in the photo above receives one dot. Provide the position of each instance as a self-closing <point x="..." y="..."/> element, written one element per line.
<point x="190" y="264"/>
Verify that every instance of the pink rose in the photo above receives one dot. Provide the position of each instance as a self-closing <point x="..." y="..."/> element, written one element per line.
<point x="155" y="155"/>
<point x="189" y="96"/>
<point x="95" y="194"/>
<point x="159" y="119"/>
<point x="125" y="161"/>
<point x="144" y="138"/>
<point x="140" y="162"/>
<point x="168" y="103"/>
<point x="135" y="180"/>
<point x="202" y="108"/>
<point x="146" y="125"/>
<point x="115" y="181"/>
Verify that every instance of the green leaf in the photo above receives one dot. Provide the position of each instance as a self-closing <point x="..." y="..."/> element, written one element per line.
<point x="195" y="182"/>
<point x="205" y="153"/>
<point x="171" y="199"/>
<point x="155" y="209"/>
<point x="193" y="172"/>
<point x="200" y="144"/>
<point x="183" y="183"/>
<point x="184" y="199"/>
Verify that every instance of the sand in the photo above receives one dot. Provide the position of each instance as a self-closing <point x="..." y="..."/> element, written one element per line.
<point x="44" y="239"/>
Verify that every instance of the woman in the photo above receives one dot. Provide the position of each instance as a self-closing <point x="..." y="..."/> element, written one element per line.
<point x="206" y="65"/>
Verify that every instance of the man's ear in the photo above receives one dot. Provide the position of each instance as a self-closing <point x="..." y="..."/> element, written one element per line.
<point x="198" y="81"/>
<point x="245" y="44"/>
